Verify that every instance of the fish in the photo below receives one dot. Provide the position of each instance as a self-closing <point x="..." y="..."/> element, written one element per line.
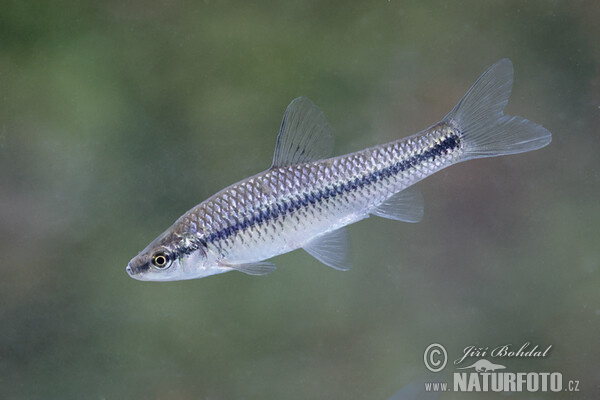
<point x="306" y="198"/>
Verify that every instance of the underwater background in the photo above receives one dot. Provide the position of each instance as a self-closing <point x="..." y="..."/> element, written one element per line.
<point x="116" y="117"/>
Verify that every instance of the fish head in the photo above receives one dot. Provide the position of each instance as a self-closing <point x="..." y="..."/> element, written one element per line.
<point x="160" y="264"/>
<point x="172" y="257"/>
<point x="159" y="261"/>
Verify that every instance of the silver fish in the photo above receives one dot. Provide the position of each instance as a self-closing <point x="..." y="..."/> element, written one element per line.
<point x="306" y="199"/>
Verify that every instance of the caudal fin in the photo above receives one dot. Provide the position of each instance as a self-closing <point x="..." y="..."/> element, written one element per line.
<point x="479" y="116"/>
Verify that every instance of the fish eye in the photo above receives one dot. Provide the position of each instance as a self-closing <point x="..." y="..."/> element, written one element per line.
<point x="161" y="260"/>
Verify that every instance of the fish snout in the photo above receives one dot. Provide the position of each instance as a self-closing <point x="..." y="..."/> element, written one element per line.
<point x="134" y="272"/>
<point x="137" y="267"/>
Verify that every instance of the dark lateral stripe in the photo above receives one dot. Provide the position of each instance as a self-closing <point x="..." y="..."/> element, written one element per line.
<point x="137" y="269"/>
<point x="288" y="206"/>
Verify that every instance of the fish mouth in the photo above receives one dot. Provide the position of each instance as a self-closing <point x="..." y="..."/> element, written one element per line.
<point x="132" y="272"/>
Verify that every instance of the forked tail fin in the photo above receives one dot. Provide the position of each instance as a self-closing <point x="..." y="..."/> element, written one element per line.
<point x="479" y="116"/>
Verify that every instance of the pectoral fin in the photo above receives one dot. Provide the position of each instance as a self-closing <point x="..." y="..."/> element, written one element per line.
<point x="258" y="268"/>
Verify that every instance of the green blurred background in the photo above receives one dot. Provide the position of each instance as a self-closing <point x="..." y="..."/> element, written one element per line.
<point x="118" y="116"/>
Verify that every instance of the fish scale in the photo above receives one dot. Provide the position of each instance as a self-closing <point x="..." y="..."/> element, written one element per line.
<point x="307" y="197"/>
<point x="289" y="230"/>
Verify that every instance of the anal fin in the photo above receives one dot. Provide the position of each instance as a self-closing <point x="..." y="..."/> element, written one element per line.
<point x="406" y="206"/>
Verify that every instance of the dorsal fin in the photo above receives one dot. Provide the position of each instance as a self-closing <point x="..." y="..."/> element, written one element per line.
<point x="305" y="135"/>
